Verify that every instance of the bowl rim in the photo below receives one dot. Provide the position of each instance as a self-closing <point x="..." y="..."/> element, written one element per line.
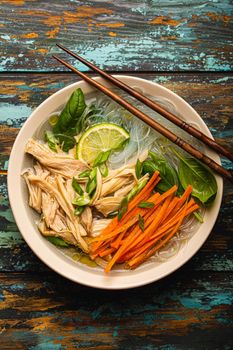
<point x="45" y="251"/>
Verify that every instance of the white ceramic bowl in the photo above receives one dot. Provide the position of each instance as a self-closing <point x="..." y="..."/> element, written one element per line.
<point x="25" y="217"/>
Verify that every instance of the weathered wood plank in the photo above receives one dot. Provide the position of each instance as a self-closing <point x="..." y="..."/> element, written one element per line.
<point x="210" y="95"/>
<point x="184" y="310"/>
<point x="118" y="35"/>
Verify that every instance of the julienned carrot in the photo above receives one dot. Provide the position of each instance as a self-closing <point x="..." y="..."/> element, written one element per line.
<point x="156" y="201"/>
<point x="141" y="258"/>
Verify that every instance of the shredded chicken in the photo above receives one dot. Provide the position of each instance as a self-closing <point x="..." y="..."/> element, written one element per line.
<point x="98" y="225"/>
<point x="59" y="163"/>
<point x="86" y="219"/>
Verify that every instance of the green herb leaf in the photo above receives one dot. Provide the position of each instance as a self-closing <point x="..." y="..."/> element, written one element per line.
<point x="93" y="173"/>
<point x="57" y="241"/>
<point x="71" y="112"/>
<point x="102" y="158"/>
<point x="141" y="223"/>
<point x="168" y="174"/>
<point x="81" y="200"/>
<point x="123" y="208"/>
<point x="103" y="169"/>
<point x="77" y="187"/>
<point x="84" y="174"/>
<point x="51" y="140"/>
<point x="138" y="169"/>
<point x="79" y="210"/>
<point x="67" y="142"/>
<point x="146" y="205"/>
<point x="192" y="172"/>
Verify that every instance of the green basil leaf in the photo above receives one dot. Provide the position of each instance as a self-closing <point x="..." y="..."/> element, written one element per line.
<point x="77" y="187"/>
<point x="146" y="205"/>
<point x="84" y="174"/>
<point x="102" y="158"/>
<point x="79" y="210"/>
<point x="81" y="200"/>
<point x="71" y="112"/>
<point x="57" y="241"/>
<point x="67" y="142"/>
<point x="167" y="173"/>
<point x="192" y="172"/>
<point x="51" y="140"/>
<point x="103" y="169"/>
<point x="123" y="208"/>
<point x="138" y="169"/>
<point x="141" y="223"/>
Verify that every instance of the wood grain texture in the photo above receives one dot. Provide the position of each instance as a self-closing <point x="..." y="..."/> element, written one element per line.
<point x="210" y="95"/>
<point x="181" y="312"/>
<point x="118" y="35"/>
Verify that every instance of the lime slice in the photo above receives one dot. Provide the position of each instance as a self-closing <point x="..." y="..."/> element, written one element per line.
<point x="100" y="138"/>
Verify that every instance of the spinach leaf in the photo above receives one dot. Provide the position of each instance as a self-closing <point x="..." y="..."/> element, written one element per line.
<point x="192" y="172"/>
<point x="71" y="113"/>
<point x="51" y="140"/>
<point x="57" y="241"/>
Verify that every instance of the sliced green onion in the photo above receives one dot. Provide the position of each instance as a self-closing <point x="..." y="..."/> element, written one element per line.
<point x="102" y="158"/>
<point x="77" y="187"/>
<point x="103" y="169"/>
<point x="146" y="205"/>
<point x="141" y="223"/>
<point x="53" y="119"/>
<point x="198" y="217"/>
<point x="84" y="174"/>
<point x="57" y="241"/>
<point x="138" y="169"/>
<point x="81" y="200"/>
<point x="79" y="210"/>
<point x="123" y="208"/>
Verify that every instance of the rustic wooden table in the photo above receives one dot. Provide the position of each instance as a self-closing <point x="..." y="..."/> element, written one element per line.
<point x="183" y="45"/>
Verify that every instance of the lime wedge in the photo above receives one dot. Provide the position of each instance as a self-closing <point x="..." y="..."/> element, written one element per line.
<point x="100" y="138"/>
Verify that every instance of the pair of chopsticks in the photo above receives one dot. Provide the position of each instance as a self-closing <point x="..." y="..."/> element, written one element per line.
<point x="155" y="125"/>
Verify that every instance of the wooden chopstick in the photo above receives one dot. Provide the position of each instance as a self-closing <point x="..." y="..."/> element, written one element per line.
<point x="153" y="105"/>
<point x="155" y="125"/>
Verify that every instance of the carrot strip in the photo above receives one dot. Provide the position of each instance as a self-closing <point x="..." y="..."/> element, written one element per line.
<point x="141" y="258"/>
<point x="106" y="252"/>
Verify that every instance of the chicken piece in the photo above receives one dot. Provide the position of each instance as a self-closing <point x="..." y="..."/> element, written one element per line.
<point x="59" y="163"/>
<point x="86" y="219"/>
<point x="49" y="207"/>
<point x="107" y="205"/>
<point x="98" y="187"/>
<point x="122" y="192"/>
<point x="35" y="193"/>
<point x="66" y="234"/>
<point x="61" y="197"/>
<point x="98" y="225"/>
<point x="115" y="184"/>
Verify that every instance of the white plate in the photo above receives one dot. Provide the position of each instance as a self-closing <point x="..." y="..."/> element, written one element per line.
<point x="25" y="217"/>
